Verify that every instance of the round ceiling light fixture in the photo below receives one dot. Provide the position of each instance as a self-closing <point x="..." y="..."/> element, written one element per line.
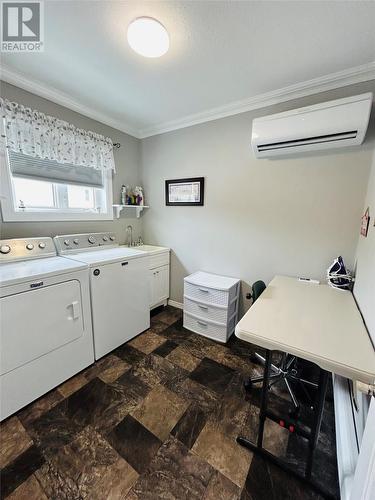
<point x="148" y="37"/>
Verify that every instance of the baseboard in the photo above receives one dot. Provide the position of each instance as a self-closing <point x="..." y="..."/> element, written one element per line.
<point x="347" y="451"/>
<point x="173" y="303"/>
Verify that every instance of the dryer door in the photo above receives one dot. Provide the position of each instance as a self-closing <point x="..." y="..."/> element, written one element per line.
<point x="35" y="322"/>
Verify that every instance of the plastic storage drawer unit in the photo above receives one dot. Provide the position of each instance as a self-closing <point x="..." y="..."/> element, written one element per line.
<point x="211" y="305"/>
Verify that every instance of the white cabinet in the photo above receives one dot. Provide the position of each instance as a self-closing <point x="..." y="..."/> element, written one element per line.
<point x="158" y="274"/>
<point x="159" y="286"/>
<point x="159" y="278"/>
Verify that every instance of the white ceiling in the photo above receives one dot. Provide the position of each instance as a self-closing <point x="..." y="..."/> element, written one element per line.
<point x="225" y="57"/>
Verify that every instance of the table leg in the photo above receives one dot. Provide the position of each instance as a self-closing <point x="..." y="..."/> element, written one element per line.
<point x="263" y="409"/>
<point x="264" y="399"/>
<point x="318" y="415"/>
<point x="312" y="438"/>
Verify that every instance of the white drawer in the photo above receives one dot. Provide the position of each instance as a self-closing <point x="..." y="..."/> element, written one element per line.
<point x="208" y="295"/>
<point x="220" y="314"/>
<point x="214" y="331"/>
<point x="158" y="260"/>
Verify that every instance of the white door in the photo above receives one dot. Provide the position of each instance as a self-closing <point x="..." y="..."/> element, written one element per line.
<point x="153" y="288"/>
<point x="163" y="283"/>
<point x="159" y="285"/>
<point x="120" y="303"/>
<point x="36" y="322"/>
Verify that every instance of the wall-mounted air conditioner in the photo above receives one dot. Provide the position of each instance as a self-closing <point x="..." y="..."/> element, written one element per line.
<point x="332" y="124"/>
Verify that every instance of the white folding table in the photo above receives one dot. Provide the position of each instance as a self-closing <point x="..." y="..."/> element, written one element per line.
<point x="316" y="323"/>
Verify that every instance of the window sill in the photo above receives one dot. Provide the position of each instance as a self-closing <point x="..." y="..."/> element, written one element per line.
<point x="12" y="216"/>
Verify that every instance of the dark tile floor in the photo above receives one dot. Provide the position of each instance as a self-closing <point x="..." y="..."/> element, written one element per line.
<point x="157" y="418"/>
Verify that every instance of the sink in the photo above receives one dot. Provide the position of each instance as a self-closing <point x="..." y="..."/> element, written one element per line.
<point x="151" y="248"/>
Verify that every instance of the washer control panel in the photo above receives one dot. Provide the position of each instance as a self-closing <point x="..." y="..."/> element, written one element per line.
<point x="26" y="248"/>
<point x="68" y="243"/>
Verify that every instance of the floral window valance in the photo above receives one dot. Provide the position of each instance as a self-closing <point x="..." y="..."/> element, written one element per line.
<point x="35" y="134"/>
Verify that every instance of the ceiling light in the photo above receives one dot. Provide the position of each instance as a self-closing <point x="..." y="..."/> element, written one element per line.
<point x="148" y="37"/>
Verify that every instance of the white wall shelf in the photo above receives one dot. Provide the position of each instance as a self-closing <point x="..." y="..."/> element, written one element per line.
<point x="138" y="209"/>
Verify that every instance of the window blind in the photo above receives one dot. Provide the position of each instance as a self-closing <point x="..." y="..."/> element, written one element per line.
<point x="25" y="166"/>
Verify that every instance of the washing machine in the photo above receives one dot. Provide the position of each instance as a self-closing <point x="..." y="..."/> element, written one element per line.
<point x="118" y="285"/>
<point x="45" y="320"/>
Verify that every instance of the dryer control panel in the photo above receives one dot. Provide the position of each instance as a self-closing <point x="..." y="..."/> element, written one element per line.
<point x="67" y="243"/>
<point x="26" y="248"/>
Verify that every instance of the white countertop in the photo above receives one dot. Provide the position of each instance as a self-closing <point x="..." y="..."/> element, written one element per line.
<point x="151" y="249"/>
<point x="106" y="255"/>
<point x="314" y="322"/>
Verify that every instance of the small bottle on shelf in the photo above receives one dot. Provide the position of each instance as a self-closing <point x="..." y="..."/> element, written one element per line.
<point x="123" y="195"/>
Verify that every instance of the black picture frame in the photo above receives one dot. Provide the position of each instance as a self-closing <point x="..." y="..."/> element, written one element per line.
<point x="191" y="180"/>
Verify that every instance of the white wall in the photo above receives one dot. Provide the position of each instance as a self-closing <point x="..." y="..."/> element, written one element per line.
<point x="127" y="166"/>
<point x="364" y="287"/>
<point x="364" y="290"/>
<point x="289" y="216"/>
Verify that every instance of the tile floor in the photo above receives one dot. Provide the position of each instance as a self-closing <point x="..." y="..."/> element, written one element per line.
<point x="157" y="418"/>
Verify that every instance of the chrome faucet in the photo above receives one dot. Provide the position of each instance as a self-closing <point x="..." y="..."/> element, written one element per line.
<point x="129" y="237"/>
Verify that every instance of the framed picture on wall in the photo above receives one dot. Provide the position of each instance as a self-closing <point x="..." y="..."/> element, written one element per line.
<point x="184" y="192"/>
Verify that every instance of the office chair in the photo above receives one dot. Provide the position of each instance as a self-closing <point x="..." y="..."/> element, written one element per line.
<point x="285" y="370"/>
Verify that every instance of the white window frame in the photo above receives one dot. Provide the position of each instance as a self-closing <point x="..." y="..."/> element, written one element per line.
<point x="10" y="214"/>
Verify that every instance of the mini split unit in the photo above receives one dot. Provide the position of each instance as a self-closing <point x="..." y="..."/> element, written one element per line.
<point x="332" y="124"/>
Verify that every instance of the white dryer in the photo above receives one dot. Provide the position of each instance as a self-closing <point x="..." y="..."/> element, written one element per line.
<point x="118" y="285"/>
<point x="45" y="319"/>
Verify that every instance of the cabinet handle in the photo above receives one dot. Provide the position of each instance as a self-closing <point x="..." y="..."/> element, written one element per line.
<point x="203" y="290"/>
<point x="124" y="263"/>
<point x="202" y="307"/>
<point x="201" y="323"/>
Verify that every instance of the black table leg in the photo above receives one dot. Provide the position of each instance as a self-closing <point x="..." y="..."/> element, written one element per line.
<point x="318" y="415"/>
<point x="264" y="399"/>
<point x="312" y="436"/>
<point x="263" y="409"/>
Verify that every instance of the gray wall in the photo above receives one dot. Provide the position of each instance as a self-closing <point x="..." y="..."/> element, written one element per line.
<point x="261" y="217"/>
<point x="127" y="171"/>
<point x="364" y="287"/>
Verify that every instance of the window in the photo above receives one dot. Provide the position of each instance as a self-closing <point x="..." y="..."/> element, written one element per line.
<point x="45" y="190"/>
<point x="33" y="194"/>
<point x="30" y="194"/>
<point x="81" y="197"/>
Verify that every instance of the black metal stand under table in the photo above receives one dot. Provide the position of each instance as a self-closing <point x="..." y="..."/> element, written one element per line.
<point x="311" y="436"/>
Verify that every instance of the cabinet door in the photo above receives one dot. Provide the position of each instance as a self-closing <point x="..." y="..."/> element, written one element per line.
<point x="159" y="285"/>
<point x="153" y="288"/>
<point x="163" y="282"/>
<point x="120" y="305"/>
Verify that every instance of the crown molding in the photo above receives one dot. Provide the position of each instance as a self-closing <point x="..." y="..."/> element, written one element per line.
<point x="58" y="97"/>
<point x="332" y="81"/>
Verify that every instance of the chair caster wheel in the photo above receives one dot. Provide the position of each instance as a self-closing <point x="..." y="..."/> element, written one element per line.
<point x="294" y="413"/>
<point x="254" y="359"/>
<point x="248" y="385"/>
